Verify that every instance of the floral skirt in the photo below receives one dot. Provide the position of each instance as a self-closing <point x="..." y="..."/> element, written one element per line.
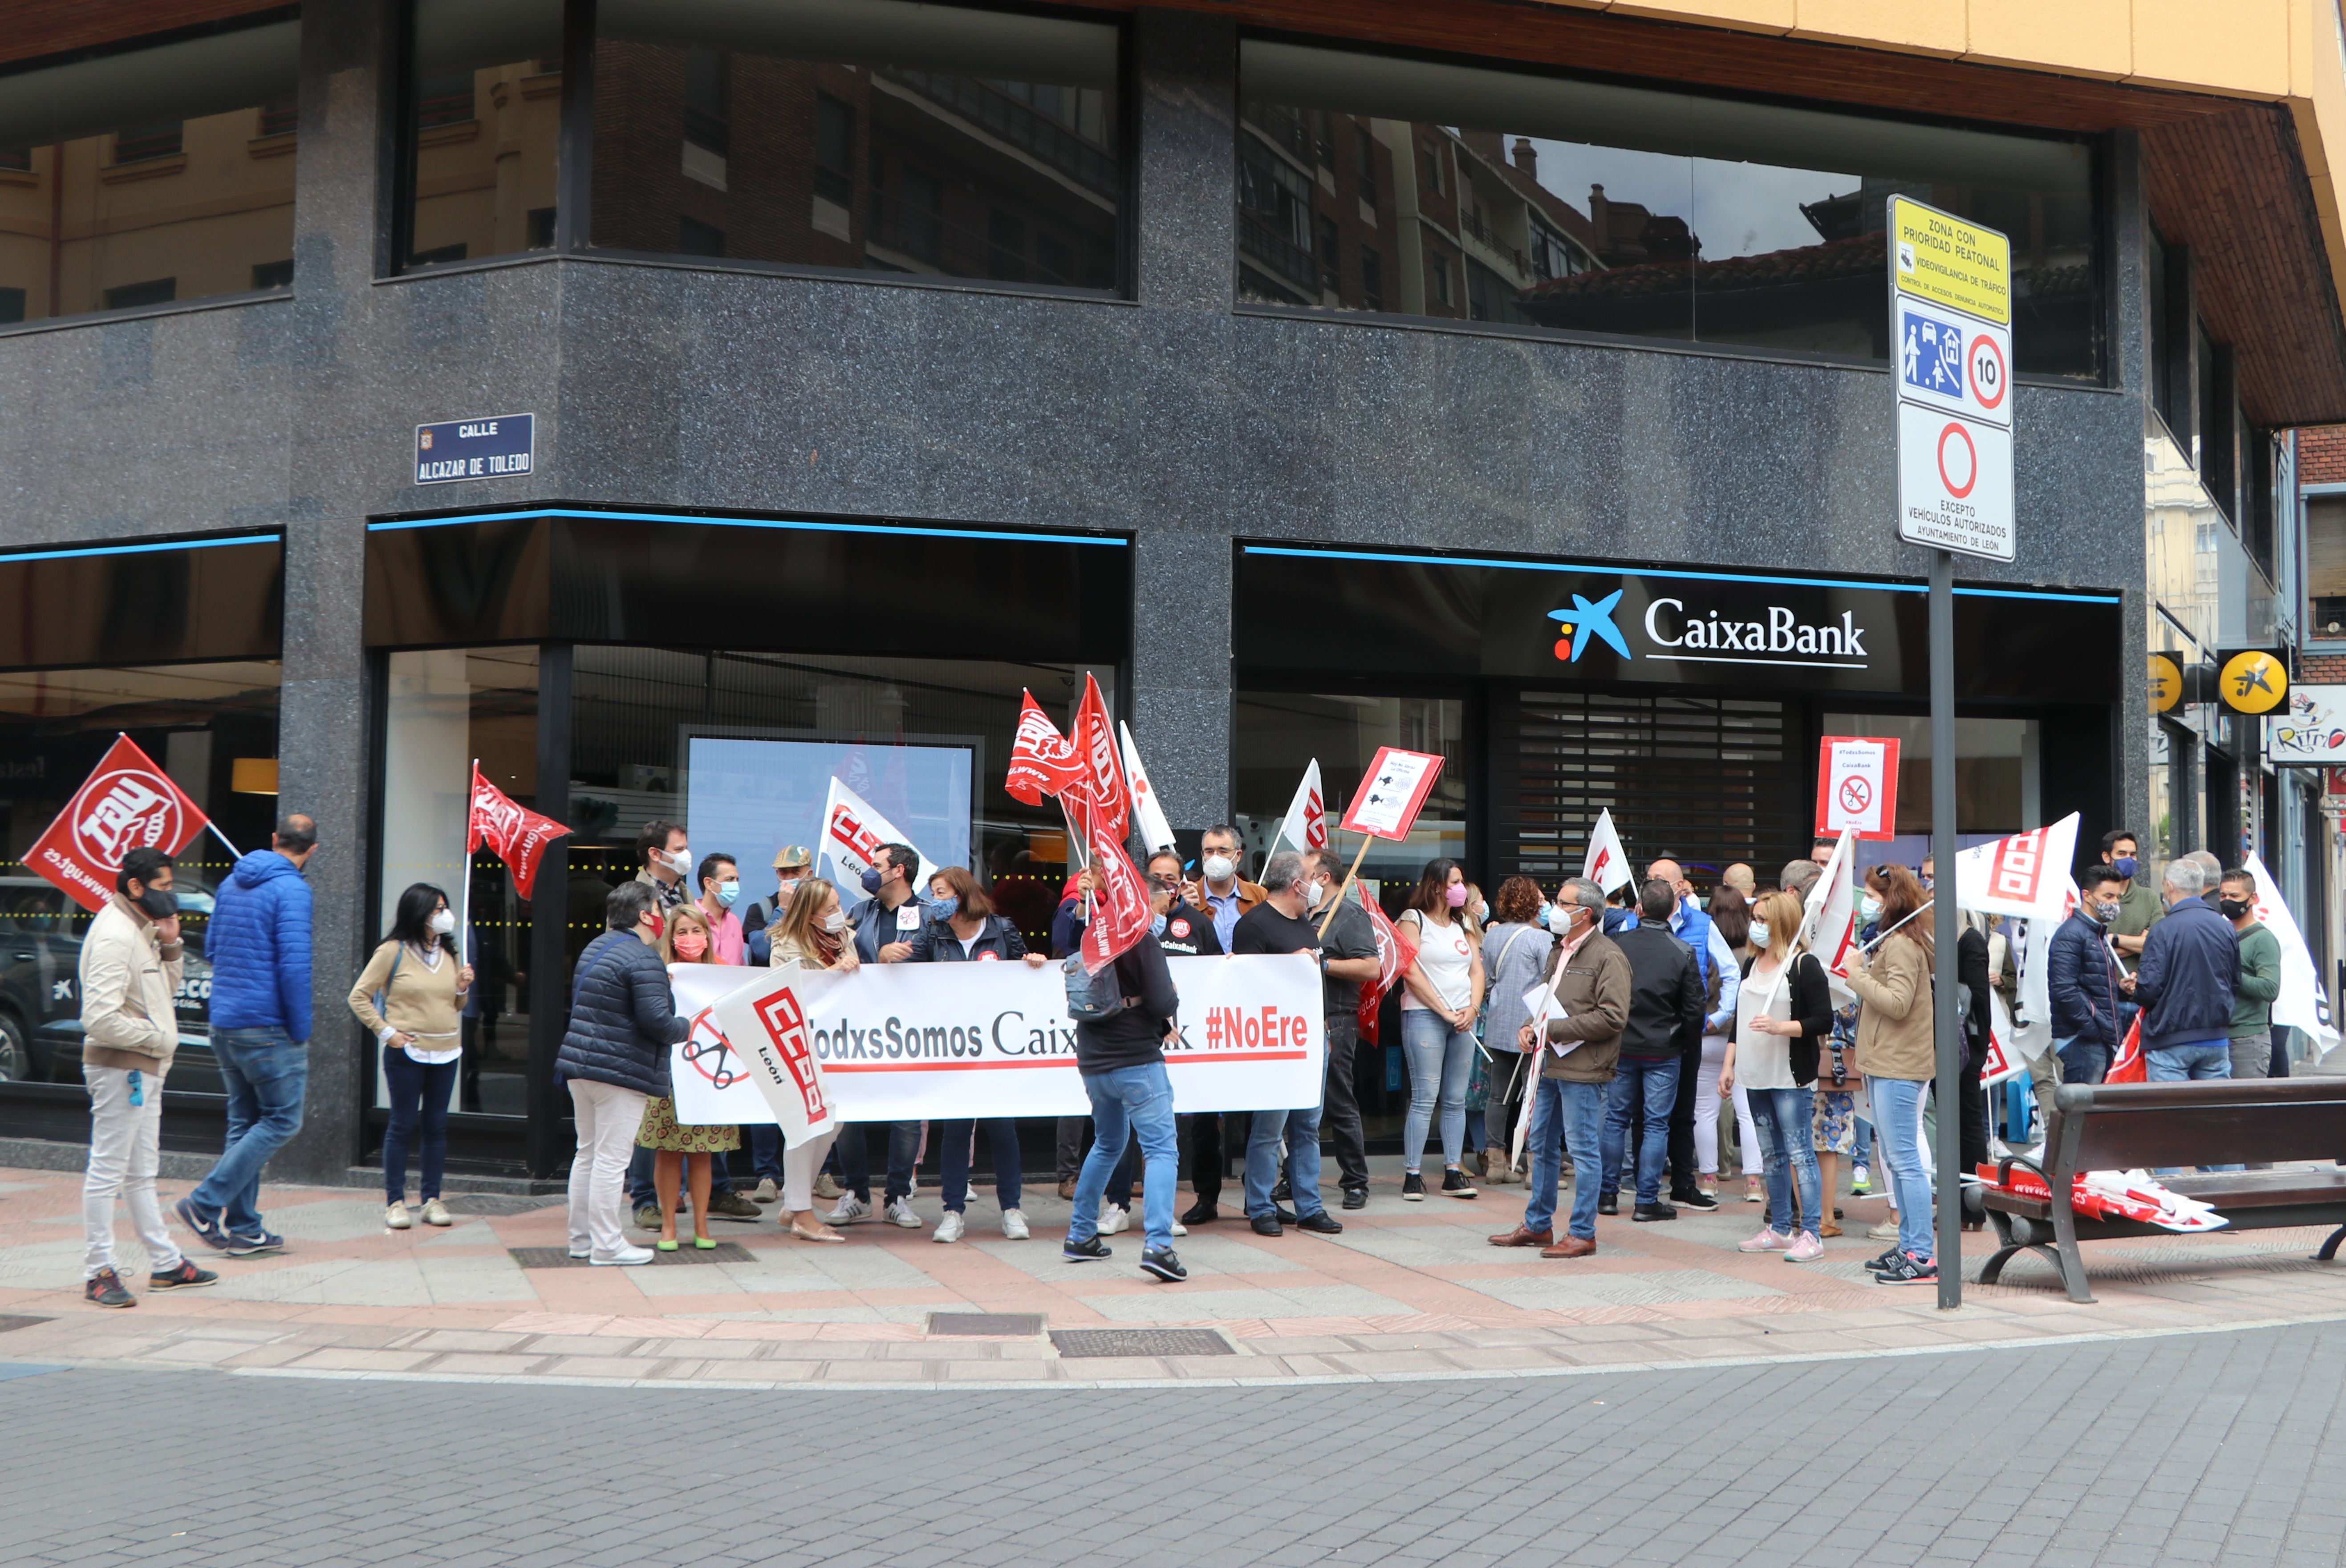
<point x="1832" y="1126"/>
<point x="661" y="1130"/>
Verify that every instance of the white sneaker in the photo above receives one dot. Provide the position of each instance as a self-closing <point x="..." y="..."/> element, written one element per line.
<point x="949" y="1228"/>
<point x="581" y="1251"/>
<point x="1013" y="1224"/>
<point x="1179" y="1228"/>
<point x="626" y="1257"/>
<point x="436" y="1213"/>
<point x="850" y="1209"/>
<point x="767" y="1192"/>
<point x="1114" y="1217"/>
<point x="395" y="1218"/>
<point x="900" y="1211"/>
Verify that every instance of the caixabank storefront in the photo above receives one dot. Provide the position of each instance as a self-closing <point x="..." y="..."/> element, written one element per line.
<point x="1688" y="700"/>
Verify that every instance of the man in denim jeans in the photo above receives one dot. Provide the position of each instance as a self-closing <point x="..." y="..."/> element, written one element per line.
<point x="1122" y="1059"/>
<point x="2185" y="983"/>
<point x="1666" y="1000"/>
<point x="257" y="943"/>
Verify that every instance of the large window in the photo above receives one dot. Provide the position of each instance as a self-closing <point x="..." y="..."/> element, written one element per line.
<point x="877" y="135"/>
<point x="148" y="176"/>
<point x="1279" y="734"/>
<point x="1607" y="209"/>
<point x="213" y="729"/>
<point x="2325" y="567"/>
<point x="482" y="128"/>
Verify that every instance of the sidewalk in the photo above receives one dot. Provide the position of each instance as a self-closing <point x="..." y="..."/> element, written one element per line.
<point x="1409" y="1290"/>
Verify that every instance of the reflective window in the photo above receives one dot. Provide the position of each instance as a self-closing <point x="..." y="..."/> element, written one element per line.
<point x="213" y="729"/>
<point x="877" y="135"/>
<point x="1467" y="194"/>
<point x="2325" y="565"/>
<point x="1279" y="734"/>
<point x="148" y="176"/>
<point x="482" y="128"/>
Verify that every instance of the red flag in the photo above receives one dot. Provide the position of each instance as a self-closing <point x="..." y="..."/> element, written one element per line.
<point x="126" y="803"/>
<point x="517" y="834"/>
<point x="1098" y="796"/>
<point x="1042" y="760"/>
<point x="2129" y="1067"/>
<point x="1121" y="914"/>
<point x="1395" y="953"/>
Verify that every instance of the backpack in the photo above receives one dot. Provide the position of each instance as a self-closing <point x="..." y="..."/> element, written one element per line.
<point x="1091" y="998"/>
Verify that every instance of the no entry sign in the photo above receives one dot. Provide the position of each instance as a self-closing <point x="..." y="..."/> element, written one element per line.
<point x="1857" y="786"/>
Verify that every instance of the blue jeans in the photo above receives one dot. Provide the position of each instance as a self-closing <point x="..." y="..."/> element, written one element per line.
<point x="419" y="1104"/>
<point x="1565" y="1115"/>
<point x="2185" y="1064"/>
<point x="1441" y="1060"/>
<point x="1644" y="1090"/>
<point x="1783" y="1118"/>
<point x="266" y="1075"/>
<point x="855" y="1157"/>
<point x="2083" y="1062"/>
<point x="953" y="1160"/>
<point x="1302" y="1130"/>
<point x="1127" y="1101"/>
<point x="765" y="1141"/>
<point x="1898" y="1102"/>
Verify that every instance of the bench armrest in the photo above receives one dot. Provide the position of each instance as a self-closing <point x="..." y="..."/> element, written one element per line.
<point x="2004" y="1170"/>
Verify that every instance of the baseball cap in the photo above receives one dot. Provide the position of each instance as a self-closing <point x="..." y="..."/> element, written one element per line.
<point x="792" y="858"/>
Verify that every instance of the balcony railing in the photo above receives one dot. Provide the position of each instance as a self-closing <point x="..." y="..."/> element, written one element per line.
<point x="1281" y="254"/>
<point x="1018" y="124"/>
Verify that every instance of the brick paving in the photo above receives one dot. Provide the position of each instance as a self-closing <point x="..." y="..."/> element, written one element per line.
<point x="1407" y="1291"/>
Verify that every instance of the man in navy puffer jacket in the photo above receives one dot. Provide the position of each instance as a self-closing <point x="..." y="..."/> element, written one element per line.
<point x="615" y="1058"/>
<point x="2086" y="986"/>
<point x="257" y="943"/>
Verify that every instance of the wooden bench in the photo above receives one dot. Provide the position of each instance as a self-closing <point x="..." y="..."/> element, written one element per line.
<point x="2151" y="1126"/>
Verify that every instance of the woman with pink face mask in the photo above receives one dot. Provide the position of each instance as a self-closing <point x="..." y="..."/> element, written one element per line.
<point x="674" y="1145"/>
<point x="1441" y="996"/>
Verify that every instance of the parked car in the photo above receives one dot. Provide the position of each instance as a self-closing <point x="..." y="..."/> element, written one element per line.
<point x="40" y="990"/>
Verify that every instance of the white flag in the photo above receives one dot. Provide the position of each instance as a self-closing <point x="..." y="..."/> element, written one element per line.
<point x="2031" y="941"/>
<point x="764" y="1023"/>
<point x="2026" y="875"/>
<point x="852" y="833"/>
<point x="1147" y="812"/>
<point x="1829" y="925"/>
<point x="1305" y="826"/>
<point x="1607" y="863"/>
<point x="2302" y="1003"/>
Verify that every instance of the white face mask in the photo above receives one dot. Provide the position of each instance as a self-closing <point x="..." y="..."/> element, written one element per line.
<point x="681" y="862"/>
<point x="835" y="919"/>
<point x="443" y="923"/>
<point x="1315" y="894"/>
<point x="1219" y="868"/>
<point x="1758" y="936"/>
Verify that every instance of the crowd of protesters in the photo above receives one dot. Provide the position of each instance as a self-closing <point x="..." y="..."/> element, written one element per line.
<point x="1616" y="1040"/>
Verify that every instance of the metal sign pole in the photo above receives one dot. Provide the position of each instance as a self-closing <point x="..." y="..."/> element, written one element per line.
<point x="1945" y="989"/>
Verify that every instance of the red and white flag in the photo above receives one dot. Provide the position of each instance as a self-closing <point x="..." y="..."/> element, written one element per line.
<point x="1606" y="863"/>
<point x="516" y="833"/>
<point x="1042" y="760"/>
<point x="1395" y="953"/>
<point x="1156" y="833"/>
<point x="1305" y="826"/>
<point x="2004" y="1061"/>
<point x="1099" y="797"/>
<point x="126" y="803"/>
<point x="2128" y="1066"/>
<point x="2026" y="875"/>
<point x="1829" y="927"/>
<point x="852" y="833"/>
<point x="1121" y="913"/>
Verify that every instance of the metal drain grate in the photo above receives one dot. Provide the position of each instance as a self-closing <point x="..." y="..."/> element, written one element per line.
<point x="559" y="1257"/>
<point x="13" y="1320"/>
<point x="1019" y="1325"/>
<point x="1140" y="1342"/>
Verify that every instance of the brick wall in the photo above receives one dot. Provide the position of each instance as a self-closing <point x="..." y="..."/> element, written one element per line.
<point x="37" y="27"/>
<point x="2321" y="455"/>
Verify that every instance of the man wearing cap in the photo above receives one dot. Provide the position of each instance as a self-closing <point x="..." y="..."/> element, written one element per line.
<point x="792" y="865"/>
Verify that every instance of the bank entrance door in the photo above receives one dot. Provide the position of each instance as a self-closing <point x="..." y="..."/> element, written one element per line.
<point x="1708" y="779"/>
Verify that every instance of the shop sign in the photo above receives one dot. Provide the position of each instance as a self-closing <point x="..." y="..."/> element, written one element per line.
<point x="2166" y="682"/>
<point x="1696" y="624"/>
<point x="2252" y="680"/>
<point x="2311" y="729"/>
<point x="492" y="448"/>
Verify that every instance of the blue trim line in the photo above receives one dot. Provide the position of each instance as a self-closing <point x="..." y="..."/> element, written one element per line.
<point x="1576" y="567"/>
<point x="141" y="549"/>
<point x="797" y="527"/>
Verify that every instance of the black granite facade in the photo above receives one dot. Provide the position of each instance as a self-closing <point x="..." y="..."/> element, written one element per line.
<point x="1172" y="415"/>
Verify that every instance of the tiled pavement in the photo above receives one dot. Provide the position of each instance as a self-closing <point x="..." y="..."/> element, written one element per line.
<point x="1409" y="1290"/>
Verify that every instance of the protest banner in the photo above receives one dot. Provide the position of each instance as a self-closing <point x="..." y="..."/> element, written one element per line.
<point x="1857" y="786"/>
<point x="904" y="1042"/>
<point x="126" y="803"/>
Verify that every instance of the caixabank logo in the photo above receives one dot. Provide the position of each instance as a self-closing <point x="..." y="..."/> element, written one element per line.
<point x="1726" y="622"/>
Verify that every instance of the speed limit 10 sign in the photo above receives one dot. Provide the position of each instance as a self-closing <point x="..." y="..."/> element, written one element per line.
<point x="1857" y="786"/>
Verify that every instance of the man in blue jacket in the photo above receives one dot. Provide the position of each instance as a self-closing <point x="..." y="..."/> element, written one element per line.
<point x="2086" y="985"/>
<point x="2190" y="962"/>
<point x="259" y="947"/>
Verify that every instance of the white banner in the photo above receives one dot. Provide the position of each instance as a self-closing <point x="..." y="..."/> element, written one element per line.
<point x="2300" y="1004"/>
<point x="904" y="1042"/>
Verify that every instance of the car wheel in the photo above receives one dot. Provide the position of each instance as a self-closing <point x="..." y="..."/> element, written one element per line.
<point x="15" y="1052"/>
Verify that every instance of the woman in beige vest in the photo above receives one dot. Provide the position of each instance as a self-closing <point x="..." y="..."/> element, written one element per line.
<point x="410" y="997"/>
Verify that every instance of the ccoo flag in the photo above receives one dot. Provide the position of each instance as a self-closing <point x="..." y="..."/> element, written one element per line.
<point x="1305" y="826"/>
<point x="852" y="834"/>
<point x="2300" y="1004"/>
<point x="1156" y="833"/>
<point x="516" y="833"/>
<point x="126" y="803"/>
<point x="1607" y="863"/>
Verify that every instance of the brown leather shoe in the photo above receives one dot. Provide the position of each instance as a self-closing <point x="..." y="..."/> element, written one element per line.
<point x="1570" y="1247"/>
<point x="1519" y="1237"/>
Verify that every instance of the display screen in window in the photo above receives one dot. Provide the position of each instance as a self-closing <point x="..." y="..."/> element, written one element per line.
<point x="919" y="139"/>
<point x="1370" y="183"/>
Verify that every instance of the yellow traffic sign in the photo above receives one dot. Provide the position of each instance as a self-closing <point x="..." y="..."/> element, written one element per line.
<point x="1943" y="259"/>
<point x="2166" y="683"/>
<point x="2253" y="682"/>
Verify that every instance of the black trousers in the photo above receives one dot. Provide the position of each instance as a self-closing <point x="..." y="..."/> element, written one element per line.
<point x="1682" y="1169"/>
<point x="1203" y="1141"/>
<point x="1971" y="1134"/>
<point x="1340" y="1112"/>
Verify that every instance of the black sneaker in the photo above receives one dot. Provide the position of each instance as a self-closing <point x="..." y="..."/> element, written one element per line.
<point x="1878" y="1264"/>
<point x="1201" y="1212"/>
<point x="1086" y="1250"/>
<point x="1356" y="1197"/>
<point x="104" y="1289"/>
<point x="1160" y="1261"/>
<point x="251" y="1246"/>
<point x="1608" y="1203"/>
<point x="1412" y="1188"/>
<point x="1320" y="1222"/>
<point x="185" y="1277"/>
<point x="1282" y="1193"/>
<point x="1907" y="1269"/>
<point x="1267" y="1225"/>
<point x="1455" y="1184"/>
<point x="1647" y="1213"/>
<point x="1695" y="1200"/>
<point x="211" y="1232"/>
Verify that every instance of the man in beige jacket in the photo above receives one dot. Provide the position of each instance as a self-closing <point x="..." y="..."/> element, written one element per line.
<point x="131" y="964"/>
